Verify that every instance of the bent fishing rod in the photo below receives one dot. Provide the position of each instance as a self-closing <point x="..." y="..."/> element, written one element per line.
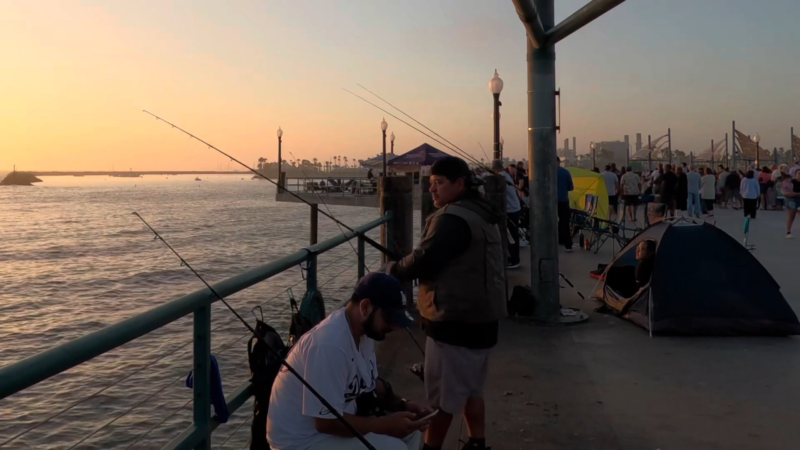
<point x="370" y="241"/>
<point x="302" y="380"/>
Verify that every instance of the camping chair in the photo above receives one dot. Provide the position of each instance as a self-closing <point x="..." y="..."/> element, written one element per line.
<point x="580" y="218"/>
<point x="601" y="231"/>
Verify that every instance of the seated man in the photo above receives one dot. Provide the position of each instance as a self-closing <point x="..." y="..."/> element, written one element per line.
<point x="337" y="358"/>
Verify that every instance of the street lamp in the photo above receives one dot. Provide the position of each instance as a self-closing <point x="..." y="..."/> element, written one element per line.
<point x="391" y="139"/>
<point x="502" y="144"/>
<point x="496" y="87"/>
<point x="384" y="126"/>
<point x="280" y="136"/>
<point x="756" y="138"/>
<point x="594" y="164"/>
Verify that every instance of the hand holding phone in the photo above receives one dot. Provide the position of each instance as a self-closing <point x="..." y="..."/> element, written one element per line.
<point x="428" y="417"/>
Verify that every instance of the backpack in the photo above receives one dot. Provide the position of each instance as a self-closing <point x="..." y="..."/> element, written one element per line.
<point x="264" y="367"/>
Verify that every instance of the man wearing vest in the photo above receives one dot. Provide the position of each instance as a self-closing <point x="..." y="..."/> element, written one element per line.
<point x="460" y="267"/>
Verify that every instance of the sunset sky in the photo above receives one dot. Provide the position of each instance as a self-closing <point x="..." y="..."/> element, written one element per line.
<point x="75" y="75"/>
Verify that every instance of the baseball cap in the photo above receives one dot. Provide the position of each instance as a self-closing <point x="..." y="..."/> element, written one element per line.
<point x="386" y="293"/>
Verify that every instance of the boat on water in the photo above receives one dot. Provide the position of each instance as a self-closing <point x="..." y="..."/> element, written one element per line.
<point x="197" y="179"/>
<point x="126" y="175"/>
<point x="78" y="175"/>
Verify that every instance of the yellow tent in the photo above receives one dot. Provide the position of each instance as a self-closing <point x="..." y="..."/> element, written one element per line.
<point x="588" y="182"/>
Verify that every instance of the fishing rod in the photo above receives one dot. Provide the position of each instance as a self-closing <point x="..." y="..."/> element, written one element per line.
<point x="302" y="380"/>
<point x="484" y="151"/>
<point x="329" y="211"/>
<point x="370" y="241"/>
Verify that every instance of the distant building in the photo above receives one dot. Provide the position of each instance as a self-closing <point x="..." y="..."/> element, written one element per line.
<point x="638" y="141"/>
<point x="611" y="151"/>
<point x="568" y="154"/>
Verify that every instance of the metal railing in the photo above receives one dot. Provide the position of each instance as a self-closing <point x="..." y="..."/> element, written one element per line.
<point x="30" y="371"/>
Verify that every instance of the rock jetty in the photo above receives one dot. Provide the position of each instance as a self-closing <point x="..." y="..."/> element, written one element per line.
<point x="19" y="179"/>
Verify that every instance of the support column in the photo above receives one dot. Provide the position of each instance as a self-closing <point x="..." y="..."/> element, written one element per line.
<point x="543" y="172"/>
<point x="314" y="222"/>
<point x="495" y="193"/>
<point x="398" y="234"/>
<point x="202" y="374"/>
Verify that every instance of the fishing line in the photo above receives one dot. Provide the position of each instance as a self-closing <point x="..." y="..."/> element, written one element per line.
<point x="328" y="209"/>
<point x="484" y="151"/>
<point x="415" y="120"/>
<point x="467" y="156"/>
<point x="370" y="241"/>
<point x="302" y="380"/>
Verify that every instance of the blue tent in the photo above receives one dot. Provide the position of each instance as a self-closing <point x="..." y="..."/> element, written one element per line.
<point x="424" y="155"/>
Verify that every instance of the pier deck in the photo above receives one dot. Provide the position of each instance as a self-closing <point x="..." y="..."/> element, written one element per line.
<point x="607" y="385"/>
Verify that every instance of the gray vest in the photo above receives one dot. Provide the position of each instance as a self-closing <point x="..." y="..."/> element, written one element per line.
<point x="471" y="288"/>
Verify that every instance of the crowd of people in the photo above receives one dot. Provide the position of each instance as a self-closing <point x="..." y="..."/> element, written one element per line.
<point x="696" y="191"/>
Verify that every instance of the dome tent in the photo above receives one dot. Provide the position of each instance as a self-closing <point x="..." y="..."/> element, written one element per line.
<point x="703" y="283"/>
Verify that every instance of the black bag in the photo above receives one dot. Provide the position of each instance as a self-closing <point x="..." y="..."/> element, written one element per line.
<point x="264" y="367"/>
<point x="300" y="324"/>
<point x="521" y="302"/>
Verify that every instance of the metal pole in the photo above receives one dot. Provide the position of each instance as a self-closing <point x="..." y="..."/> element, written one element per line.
<point x="393" y="147"/>
<point x="594" y="158"/>
<point x="649" y="154"/>
<point x="757" y="156"/>
<point x="279" y="165"/>
<point x="314" y="221"/>
<point x="384" y="153"/>
<point x="733" y="141"/>
<point x="669" y="144"/>
<point x="543" y="172"/>
<point x="496" y="126"/>
<point x="712" y="155"/>
<point x="727" y="154"/>
<point x="202" y="374"/>
<point x="791" y="143"/>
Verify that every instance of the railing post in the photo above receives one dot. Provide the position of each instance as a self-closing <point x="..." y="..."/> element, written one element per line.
<point x="311" y="273"/>
<point x="202" y="374"/>
<point x="314" y="221"/>
<point x="399" y="232"/>
<point x="361" y="259"/>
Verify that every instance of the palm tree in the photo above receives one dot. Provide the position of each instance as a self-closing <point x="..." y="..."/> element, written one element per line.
<point x="315" y="162"/>
<point x="261" y="162"/>
<point x="345" y="161"/>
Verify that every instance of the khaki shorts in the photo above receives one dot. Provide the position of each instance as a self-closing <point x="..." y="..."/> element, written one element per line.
<point x="453" y="374"/>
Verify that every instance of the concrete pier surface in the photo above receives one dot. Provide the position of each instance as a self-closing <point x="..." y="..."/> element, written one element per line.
<point x="607" y="385"/>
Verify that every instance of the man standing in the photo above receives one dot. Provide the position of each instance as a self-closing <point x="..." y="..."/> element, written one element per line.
<point x="631" y="188"/>
<point x="612" y="187"/>
<point x="794" y="169"/>
<point x="514" y="212"/>
<point x="669" y="184"/>
<point x="337" y="358"/>
<point x="694" y="183"/>
<point x="460" y="267"/>
<point x="563" y="187"/>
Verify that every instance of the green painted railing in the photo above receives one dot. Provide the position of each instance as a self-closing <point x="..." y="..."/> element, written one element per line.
<point x="37" y="368"/>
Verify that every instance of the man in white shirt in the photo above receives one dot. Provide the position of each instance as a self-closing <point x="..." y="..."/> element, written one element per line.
<point x="337" y="358"/>
<point x="612" y="186"/>
<point x="695" y="183"/>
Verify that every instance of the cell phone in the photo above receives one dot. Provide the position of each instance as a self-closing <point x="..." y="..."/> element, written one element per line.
<point x="435" y="412"/>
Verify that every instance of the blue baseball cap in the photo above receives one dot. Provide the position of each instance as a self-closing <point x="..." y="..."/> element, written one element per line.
<point x="385" y="292"/>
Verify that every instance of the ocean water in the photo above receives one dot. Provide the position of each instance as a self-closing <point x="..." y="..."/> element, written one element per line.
<point x="73" y="259"/>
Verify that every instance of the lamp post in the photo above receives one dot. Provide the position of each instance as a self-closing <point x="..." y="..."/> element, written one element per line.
<point x="502" y="144"/>
<point x="280" y="158"/>
<point x="384" y="126"/>
<point x="756" y="138"/>
<point x="594" y="164"/>
<point x="391" y="139"/>
<point x="496" y="87"/>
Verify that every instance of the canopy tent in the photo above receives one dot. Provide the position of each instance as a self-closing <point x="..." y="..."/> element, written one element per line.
<point x="657" y="150"/>
<point x="703" y="283"/>
<point x="377" y="162"/>
<point x="709" y="155"/>
<point x="588" y="182"/>
<point x="413" y="160"/>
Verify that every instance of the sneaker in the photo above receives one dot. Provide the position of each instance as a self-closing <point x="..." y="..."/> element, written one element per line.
<point x="789" y="236"/>
<point x="513" y="265"/>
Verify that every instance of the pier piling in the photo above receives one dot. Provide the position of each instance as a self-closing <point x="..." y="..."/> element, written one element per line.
<point x="398" y="234"/>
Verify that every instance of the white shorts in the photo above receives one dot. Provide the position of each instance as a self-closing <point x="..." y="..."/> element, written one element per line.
<point x="453" y="374"/>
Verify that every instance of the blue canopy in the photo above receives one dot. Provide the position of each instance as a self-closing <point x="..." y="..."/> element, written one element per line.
<point x="424" y="155"/>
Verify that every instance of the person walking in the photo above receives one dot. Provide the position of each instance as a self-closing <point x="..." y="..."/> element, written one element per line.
<point x="694" y="183"/>
<point x="513" y="212"/>
<point x="460" y="267"/>
<point x="669" y="186"/>
<point x="764" y="178"/>
<point x="612" y="187"/>
<point x="708" y="192"/>
<point x="631" y="188"/>
<point x="792" y="200"/>
<point x="564" y="186"/>
<point x="681" y="192"/>
<point x="722" y="175"/>
<point x="749" y="189"/>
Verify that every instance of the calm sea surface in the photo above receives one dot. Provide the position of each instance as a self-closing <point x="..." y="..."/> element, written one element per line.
<point x="73" y="259"/>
